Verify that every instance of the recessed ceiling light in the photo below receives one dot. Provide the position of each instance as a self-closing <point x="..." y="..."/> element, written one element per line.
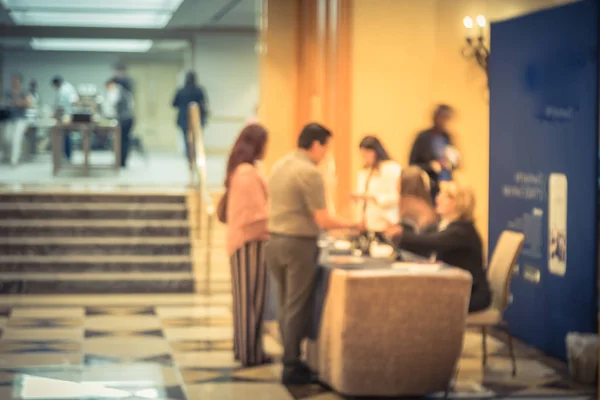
<point x="73" y="5"/>
<point x="108" y="45"/>
<point x="125" y="20"/>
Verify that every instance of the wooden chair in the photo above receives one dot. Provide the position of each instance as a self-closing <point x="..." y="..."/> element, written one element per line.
<point x="499" y="274"/>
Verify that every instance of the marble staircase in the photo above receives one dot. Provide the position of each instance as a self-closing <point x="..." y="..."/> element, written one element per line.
<point x="103" y="242"/>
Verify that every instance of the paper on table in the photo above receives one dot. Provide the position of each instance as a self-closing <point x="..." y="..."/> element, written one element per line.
<point x="342" y="245"/>
<point x="412" y="267"/>
<point x="345" y="260"/>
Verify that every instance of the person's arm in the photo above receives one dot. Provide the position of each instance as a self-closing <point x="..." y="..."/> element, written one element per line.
<point x="448" y="239"/>
<point x="313" y="190"/>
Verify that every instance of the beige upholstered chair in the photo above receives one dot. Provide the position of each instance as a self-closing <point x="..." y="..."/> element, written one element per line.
<point x="391" y="333"/>
<point x="499" y="274"/>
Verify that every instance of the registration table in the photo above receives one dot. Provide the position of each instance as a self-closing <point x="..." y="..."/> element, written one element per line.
<point x="383" y="328"/>
<point x="86" y="130"/>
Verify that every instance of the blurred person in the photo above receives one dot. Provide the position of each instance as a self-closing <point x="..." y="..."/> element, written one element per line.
<point x="247" y="232"/>
<point x="433" y="149"/>
<point x="191" y="92"/>
<point x="120" y="101"/>
<point x="298" y="214"/>
<point x="124" y="79"/>
<point x="34" y="94"/>
<point x="416" y="206"/>
<point x="17" y="123"/>
<point x="66" y="97"/>
<point x="376" y="193"/>
<point x="455" y="242"/>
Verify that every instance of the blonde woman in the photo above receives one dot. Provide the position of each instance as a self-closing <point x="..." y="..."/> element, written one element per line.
<point x="456" y="241"/>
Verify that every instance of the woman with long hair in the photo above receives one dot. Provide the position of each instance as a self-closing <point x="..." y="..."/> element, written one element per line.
<point x="376" y="193"/>
<point x="191" y="92"/>
<point x="247" y="215"/>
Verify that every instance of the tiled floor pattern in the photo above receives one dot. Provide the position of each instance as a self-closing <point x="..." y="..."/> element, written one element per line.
<point x="181" y="346"/>
<point x="156" y="169"/>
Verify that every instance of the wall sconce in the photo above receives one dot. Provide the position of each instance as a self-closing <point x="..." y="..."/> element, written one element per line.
<point x="475" y="47"/>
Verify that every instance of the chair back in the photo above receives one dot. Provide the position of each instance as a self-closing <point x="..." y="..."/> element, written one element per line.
<point x="501" y="266"/>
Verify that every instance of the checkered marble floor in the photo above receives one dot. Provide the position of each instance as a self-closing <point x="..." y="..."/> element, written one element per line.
<point x="173" y="347"/>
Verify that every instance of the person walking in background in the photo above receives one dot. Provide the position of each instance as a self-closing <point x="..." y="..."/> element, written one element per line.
<point x="66" y="97"/>
<point x="120" y="96"/>
<point x="433" y="149"/>
<point x="34" y="95"/>
<point x="190" y="92"/>
<point x="376" y="190"/>
<point x="298" y="213"/>
<point x="124" y="79"/>
<point x="16" y="126"/>
<point x="247" y="218"/>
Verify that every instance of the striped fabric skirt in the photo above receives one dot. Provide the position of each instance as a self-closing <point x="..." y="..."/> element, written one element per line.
<point x="249" y="287"/>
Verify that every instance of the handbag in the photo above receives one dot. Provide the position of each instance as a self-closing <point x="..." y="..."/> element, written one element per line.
<point x="222" y="209"/>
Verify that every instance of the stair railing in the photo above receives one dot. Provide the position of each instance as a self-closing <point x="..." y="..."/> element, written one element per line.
<point x="198" y="178"/>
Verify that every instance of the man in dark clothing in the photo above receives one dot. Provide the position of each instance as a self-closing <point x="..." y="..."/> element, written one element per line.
<point x="125" y="109"/>
<point x="191" y="92"/>
<point x="430" y="149"/>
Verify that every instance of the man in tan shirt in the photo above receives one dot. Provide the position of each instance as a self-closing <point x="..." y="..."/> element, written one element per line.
<point x="298" y="214"/>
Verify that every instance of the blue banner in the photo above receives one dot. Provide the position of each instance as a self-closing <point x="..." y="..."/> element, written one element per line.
<point x="543" y="168"/>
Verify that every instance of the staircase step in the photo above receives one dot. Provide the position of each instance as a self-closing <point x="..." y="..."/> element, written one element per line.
<point x="77" y="283"/>
<point x="74" y="227"/>
<point x="94" y="245"/>
<point x="84" y="264"/>
<point x="98" y="197"/>
<point x="92" y="211"/>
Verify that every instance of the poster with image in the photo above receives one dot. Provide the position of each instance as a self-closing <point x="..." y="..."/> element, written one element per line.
<point x="557" y="224"/>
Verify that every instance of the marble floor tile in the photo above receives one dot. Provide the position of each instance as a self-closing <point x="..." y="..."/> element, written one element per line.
<point x="192" y="375"/>
<point x="199" y="333"/>
<point x="126" y="348"/>
<point x="48" y="312"/>
<point x="193" y="312"/>
<point x="206" y="359"/>
<point x="31" y="360"/>
<point x="237" y="391"/>
<point x="122" y="323"/>
<point x="71" y="334"/>
<point x="145" y="374"/>
<point x="270" y="373"/>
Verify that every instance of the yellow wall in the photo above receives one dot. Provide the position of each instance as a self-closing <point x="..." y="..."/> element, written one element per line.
<point x="393" y="54"/>
<point x="407" y="58"/>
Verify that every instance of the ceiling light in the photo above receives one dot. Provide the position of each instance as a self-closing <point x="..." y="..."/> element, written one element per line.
<point x="127" y="20"/>
<point x="108" y="45"/>
<point x="71" y="5"/>
<point x="468" y="22"/>
<point x="481" y="21"/>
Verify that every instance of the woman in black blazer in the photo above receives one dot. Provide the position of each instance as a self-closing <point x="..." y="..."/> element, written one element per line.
<point x="455" y="242"/>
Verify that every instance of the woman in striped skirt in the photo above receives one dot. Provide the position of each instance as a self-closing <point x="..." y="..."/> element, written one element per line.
<point x="247" y="215"/>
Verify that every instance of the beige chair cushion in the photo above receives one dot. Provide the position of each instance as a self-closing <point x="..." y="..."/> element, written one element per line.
<point x="491" y="316"/>
<point x="501" y="265"/>
<point x="391" y="333"/>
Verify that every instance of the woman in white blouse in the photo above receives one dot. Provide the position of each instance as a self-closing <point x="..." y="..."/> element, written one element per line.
<point x="376" y="193"/>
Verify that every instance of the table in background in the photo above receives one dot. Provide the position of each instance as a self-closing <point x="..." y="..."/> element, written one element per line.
<point x="86" y="130"/>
